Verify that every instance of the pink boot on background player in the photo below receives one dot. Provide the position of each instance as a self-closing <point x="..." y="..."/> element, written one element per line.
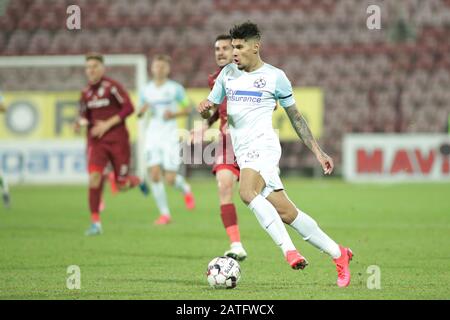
<point x="163" y="220"/>
<point x="112" y="183"/>
<point x="128" y="182"/>
<point x="342" y="266"/>
<point x="189" y="200"/>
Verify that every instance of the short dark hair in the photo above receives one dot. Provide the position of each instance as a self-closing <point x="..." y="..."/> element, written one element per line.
<point x="162" y="57"/>
<point x="247" y="30"/>
<point x="223" y="37"/>
<point x="95" y="56"/>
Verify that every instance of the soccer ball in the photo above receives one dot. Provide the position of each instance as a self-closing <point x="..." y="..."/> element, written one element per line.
<point x="223" y="273"/>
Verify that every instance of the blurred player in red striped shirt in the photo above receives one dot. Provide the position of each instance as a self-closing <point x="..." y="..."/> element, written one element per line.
<point x="104" y="106"/>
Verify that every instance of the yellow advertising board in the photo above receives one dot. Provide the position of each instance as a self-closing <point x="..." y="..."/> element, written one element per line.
<point x="47" y="115"/>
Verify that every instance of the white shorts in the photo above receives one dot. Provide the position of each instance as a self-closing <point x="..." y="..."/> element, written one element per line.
<point x="166" y="155"/>
<point x="265" y="161"/>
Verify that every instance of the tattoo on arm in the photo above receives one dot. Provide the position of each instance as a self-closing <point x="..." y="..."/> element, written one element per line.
<point x="301" y="128"/>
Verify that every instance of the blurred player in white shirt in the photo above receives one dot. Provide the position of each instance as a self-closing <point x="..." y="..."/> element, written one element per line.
<point x="164" y="100"/>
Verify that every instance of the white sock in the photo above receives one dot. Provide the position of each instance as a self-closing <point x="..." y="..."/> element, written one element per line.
<point x="269" y="219"/>
<point x="236" y="244"/>
<point x="181" y="184"/>
<point x="307" y="227"/>
<point x="159" y="193"/>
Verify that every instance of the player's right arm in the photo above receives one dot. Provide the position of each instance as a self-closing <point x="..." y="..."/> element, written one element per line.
<point x="144" y="104"/>
<point x="143" y="110"/>
<point x="82" y="119"/>
<point x="204" y="108"/>
<point x="2" y="106"/>
<point x="215" y="97"/>
<point x="101" y="127"/>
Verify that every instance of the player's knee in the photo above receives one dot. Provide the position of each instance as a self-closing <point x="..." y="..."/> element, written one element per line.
<point x="95" y="179"/>
<point x="155" y="179"/>
<point x="247" y="195"/>
<point x="287" y="214"/>
<point x="170" y="180"/>
<point x="225" y="189"/>
<point x="155" y="175"/>
<point x="225" y="197"/>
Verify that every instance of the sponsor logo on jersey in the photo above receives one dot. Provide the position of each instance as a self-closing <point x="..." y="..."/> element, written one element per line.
<point x="259" y="83"/>
<point x="98" y="103"/>
<point x="244" y="96"/>
<point x="252" y="155"/>
<point x="100" y="92"/>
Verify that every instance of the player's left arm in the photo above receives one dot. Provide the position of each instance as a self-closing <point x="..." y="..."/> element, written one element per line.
<point x="186" y="108"/>
<point x="183" y="101"/>
<point x="284" y="95"/>
<point x="122" y="97"/>
<point x="302" y="129"/>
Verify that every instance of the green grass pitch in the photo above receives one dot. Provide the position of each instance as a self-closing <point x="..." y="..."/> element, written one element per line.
<point x="404" y="229"/>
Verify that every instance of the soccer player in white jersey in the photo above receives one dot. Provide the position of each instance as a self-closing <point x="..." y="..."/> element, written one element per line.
<point x="161" y="98"/>
<point x="3" y="182"/>
<point x="252" y="88"/>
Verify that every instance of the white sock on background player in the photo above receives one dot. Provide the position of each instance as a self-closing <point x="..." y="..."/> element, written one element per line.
<point x="159" y="193"/>
<point x="181" y="184"/>
<point x="308" y="228"/>
<point x="270" y="220"/>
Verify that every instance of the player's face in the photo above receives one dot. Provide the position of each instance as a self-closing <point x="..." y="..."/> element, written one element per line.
<point x="244" y="53"/>
<point x="224" y="52"/>
<point x="94" y="70"/>
<point x="160" y="69"/>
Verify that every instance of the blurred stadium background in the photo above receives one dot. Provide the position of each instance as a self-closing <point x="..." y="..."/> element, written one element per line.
<point x="354" y="80"/>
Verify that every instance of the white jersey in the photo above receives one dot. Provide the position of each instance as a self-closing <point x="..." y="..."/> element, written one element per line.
<point x="160" y="99"/>
<point x="251" y="100"/>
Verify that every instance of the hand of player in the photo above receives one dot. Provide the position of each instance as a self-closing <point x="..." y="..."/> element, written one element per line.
<point x="169" y="115"/>
<point x="204" y="107"/>
<point x="326" y="162"/>
<point x="100" y="128"/>
<point x="143" y="110"/>
<point x="77" y="127"/>
<point x="80" y="122"/>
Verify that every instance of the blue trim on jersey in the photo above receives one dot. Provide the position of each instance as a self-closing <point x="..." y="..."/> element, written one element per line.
<point x="248" y="93"/>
